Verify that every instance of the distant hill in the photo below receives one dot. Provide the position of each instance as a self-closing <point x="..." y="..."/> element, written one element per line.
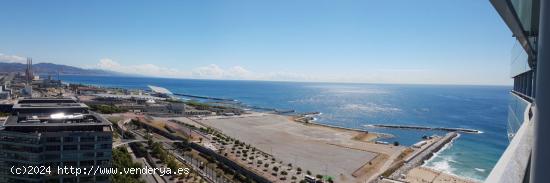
<point x="52" y="69"/>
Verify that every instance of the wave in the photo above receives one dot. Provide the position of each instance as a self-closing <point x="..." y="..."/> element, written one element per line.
<point x="370" y="107"/>
<point x="480" y="169"/>
<point x="444" y="163"/>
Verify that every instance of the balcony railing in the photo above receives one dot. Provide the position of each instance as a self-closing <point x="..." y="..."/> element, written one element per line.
<point x="513" y="165"/>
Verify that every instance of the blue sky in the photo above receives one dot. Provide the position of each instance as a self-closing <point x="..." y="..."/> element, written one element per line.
<point x="399" y="41"/>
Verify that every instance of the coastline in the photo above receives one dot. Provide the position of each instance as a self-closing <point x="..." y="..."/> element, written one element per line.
<point x="437" y="154"/>
<point x="316" y="124"/>
<point x="427" y="174"/>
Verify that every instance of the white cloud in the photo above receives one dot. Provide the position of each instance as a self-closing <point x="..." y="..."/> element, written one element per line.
<point x="238" y="71"/>
<point x="141" y="69"/>
<point x="107" y="63"/>
<point x="12" y="58"/>
<point x="211" y="71"/>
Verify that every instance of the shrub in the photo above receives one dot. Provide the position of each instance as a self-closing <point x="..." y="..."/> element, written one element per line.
<point x="106" y="109"/>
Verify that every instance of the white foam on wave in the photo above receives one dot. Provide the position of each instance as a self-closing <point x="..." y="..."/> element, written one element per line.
<point x="442" y="165"/>
<point x="480" y="169"/>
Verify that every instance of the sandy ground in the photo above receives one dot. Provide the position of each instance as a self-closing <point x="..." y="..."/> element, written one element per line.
<point x="319" y="149"/>
<point x="427" y="175"/>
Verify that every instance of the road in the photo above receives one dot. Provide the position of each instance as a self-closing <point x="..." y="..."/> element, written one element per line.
<point x="167" y="143"/>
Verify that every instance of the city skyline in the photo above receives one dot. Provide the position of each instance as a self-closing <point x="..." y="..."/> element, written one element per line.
<point x="426" y="42"/>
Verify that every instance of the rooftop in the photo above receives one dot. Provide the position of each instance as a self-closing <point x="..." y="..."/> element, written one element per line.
<point x="48" y="105"/>
<point x="46" y="100"/>
<point x="158" y="89"/>
<point x="61" y="114"/>
<point x="58" y="119"/>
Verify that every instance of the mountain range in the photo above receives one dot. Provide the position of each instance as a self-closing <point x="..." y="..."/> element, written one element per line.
<point x="53" y="69"/>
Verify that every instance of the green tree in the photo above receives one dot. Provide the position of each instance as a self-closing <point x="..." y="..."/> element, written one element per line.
<point x="122" y="159"/>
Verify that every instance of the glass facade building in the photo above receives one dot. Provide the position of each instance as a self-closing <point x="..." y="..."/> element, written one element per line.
<point x="526" y="157"/>
<point x="50" y="133"/>
<point x="522" y="16"/>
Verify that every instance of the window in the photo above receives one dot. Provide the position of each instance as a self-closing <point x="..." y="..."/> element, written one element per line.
<point x="70" y="156"/>
<point x="86" y="179"/>
<point x="54" y="180"/>
<point x="68" y="139"/>
<point x="103" y="138"/>
<point x="54" y="164"/>
<point x="69" y="180"/>
<point x="103" y="163"/>
<point x="69" y="147"/>
<point x="106" y="146"/>
<point x="86" y="147"/>
<point x="51" y="156"/>
<point x="53" y="148"/>
<point x="88" y="155"/>
<point x="102" y="178"/>
<point x="69" y="163"/>
<point x="86" y="163"/>
<point x="87" y="139"/>
<point x="53" y="139"/>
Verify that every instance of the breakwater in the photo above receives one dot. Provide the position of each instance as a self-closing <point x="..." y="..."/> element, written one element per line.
<point x="380" y="135"/>
<point x="418" y="158"/>
<point x="464" y="130"/>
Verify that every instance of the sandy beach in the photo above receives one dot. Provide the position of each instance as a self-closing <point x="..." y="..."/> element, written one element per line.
<point x="428" y="175"/>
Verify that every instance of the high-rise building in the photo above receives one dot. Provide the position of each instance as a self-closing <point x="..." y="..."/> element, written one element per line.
<point x="55" y="133"/>
<point x="527" y="159"/>
<point x="28" y="71"/>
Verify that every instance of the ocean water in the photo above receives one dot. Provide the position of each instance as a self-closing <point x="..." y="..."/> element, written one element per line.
<point x="358" y="105"/>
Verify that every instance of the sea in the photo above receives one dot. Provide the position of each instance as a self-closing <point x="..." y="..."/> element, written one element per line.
<point x="348" y="105"/>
